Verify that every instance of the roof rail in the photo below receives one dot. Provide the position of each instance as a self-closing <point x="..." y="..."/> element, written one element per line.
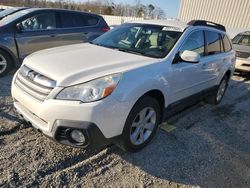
<point x="207" y="23"/>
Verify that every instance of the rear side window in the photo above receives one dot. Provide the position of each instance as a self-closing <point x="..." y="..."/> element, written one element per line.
<point x="194" y="42"/>
<point x="71" y="20"/>
<point x="227" y="43"/>
<point x="91" y="20"/>
<point x="213" y="43"/>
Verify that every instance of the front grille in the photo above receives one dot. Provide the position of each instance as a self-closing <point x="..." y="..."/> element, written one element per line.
<point x="33" y="83"/>
<point x="242" y="54"/>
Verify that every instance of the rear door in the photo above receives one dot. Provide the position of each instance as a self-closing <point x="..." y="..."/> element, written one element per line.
<point x="76" y="27"/>
<point x="37" y="32"/>
<point x="214" y="58"/>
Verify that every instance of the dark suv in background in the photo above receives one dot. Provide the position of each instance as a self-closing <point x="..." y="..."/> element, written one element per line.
<point x="33" y="29"/>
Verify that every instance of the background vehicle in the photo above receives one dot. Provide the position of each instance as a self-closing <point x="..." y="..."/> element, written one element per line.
<point x="34" y="29"/>
<point x="10" y="11"/>
<point x="143" y="73"/>
<point x="241" y="44"/>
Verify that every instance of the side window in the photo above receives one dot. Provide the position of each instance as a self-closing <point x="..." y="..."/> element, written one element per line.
<point x="71" y="20"/>
<point x="213" y="43"/>
<point x="195" y="42"/>
<point x="90" y="20"/>
<point x="227" y="43"/>
<point x="44" y="21"/>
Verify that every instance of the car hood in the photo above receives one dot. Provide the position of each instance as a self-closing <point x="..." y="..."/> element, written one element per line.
<point x="74" y="64"/>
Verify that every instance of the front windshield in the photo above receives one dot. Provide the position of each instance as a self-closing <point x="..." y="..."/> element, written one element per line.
<point x="7" y="12"/>
<point x="148" y="40"/>
<point x="242" y="40"/>
<point x="8" y="19"/>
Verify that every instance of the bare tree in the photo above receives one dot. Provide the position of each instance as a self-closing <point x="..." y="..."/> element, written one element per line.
<point x="151" y="9"/>
<point x="96" y="6"/>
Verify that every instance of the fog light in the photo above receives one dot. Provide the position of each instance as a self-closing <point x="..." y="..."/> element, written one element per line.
<point x="77" y="136"/>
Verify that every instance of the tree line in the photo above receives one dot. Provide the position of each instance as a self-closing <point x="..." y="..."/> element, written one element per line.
<point x="106" y="7"/>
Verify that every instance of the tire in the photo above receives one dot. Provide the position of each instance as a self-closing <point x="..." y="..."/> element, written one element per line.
<point x="219" y="93"/>
<point x="141" y="125"/>
<point x="5" y="63"/>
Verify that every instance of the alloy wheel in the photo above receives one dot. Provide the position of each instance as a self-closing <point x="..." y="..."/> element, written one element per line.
<point x="3" y="64"/>
<point x="143" y="126"/>
<point x="221" y="90"/>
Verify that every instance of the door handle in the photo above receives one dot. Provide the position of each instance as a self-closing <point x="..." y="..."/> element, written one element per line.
<point x="52" y="35"/>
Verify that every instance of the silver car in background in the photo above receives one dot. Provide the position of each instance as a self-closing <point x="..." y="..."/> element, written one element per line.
<point x="241" y="44"/>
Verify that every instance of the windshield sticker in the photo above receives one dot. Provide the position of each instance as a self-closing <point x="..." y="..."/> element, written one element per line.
<point x="171" y="29"/>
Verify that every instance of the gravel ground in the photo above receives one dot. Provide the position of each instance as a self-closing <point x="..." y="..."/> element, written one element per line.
<point x="209" y="147"/>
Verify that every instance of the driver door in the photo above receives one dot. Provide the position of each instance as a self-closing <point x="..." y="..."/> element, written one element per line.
<point x="36" y="32"/>
<point x="188" y="78"/>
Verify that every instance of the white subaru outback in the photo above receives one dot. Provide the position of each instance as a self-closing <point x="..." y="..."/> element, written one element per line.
<point x="121" y="86"/>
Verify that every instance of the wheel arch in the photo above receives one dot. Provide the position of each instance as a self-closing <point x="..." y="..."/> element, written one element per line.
<point x="15" y="62"/>
<point x="158" y="96"/>
<point x="228" y="73"/>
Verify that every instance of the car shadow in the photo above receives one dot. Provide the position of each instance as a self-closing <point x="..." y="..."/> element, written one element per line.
<point x="5" y="86"/>
<point x="208" y="148"/>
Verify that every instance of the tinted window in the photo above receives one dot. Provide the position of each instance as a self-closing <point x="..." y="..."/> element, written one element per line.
<point x="90" y="20"/>
<point x="195" y="42"/>
<point x="39" y="22"/>
<point x="70" y="20"/>
<point x="227" y="44"/>
<point x="213" y="43"/>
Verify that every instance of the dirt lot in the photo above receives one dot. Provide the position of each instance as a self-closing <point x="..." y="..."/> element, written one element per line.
<point x="209" y="147"/>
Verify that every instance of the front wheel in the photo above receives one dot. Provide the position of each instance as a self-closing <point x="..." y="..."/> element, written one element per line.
<point x="5" y="63"/>
<point x="141" y="124"/>
<point x="217" y="96"/>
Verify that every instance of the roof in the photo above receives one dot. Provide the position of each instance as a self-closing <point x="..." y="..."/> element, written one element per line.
<point x="170" y="23"/>
<point x="67" y="10"/>
<point x="245" y="33"/>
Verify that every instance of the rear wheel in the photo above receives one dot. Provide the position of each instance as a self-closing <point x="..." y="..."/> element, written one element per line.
<point x="141" y="124"/>
<point x="5" y="63"/>
<point x="217" y="96"/>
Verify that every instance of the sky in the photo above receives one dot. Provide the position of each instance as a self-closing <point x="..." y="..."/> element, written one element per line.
<point x="171" y="7"/>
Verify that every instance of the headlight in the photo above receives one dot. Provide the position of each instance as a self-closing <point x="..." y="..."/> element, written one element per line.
<point x="91" y="91"/>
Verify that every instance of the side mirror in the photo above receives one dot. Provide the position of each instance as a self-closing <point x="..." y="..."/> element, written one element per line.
<point x="190" y="56"/>
<point x="19" y="27"/>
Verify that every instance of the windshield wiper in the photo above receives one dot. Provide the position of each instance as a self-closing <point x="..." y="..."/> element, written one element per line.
<point x="125" y="50"/>
<point x="137" y="52"/>
<point x="106" y="46"/>
<point x="130" y="51"/>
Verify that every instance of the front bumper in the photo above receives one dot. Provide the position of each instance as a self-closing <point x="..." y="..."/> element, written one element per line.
<point x="101" y="120"/>
<point x="242" y="65"/>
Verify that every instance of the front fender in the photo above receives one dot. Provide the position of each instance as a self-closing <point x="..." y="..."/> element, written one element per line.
<point x="8" y="44"/>
<point x="136" y="83"/>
